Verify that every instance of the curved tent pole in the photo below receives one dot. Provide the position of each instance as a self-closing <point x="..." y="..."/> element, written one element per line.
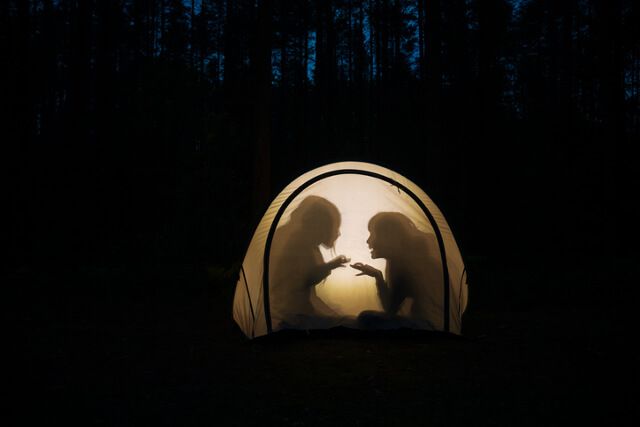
<point x="302" y="187"/>
<point x="248" y="293"/>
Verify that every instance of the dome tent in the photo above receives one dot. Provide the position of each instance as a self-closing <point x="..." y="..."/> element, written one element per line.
<point x="357" y="192"/>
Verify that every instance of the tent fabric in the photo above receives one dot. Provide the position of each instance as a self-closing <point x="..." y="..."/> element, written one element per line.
<point x="284" y="281"/>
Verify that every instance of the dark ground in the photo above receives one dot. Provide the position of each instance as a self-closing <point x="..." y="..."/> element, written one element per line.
<point x="158" y="345"/>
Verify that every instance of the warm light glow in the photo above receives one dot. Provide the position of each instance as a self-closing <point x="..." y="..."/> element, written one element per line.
<point x="302" y="296"/>
<point x="358" y="198"/>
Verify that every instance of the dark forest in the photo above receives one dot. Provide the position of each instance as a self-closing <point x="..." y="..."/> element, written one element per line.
<point x="164" y="128"/>
<point x="143" y="141"/>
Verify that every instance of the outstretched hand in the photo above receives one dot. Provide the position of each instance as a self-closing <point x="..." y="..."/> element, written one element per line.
<point x="339" y="261"/>
<point x="366" y="270"/>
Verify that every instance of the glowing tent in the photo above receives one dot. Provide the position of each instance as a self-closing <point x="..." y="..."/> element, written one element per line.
<point x="351" y="244"/>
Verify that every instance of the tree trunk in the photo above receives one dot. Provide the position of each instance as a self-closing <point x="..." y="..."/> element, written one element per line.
<point x="261" y="82"/>
<point x="421" y="38"/>
<point x="612" y="112"/>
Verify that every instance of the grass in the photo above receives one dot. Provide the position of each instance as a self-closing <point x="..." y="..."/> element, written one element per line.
<point x="107" y="356"/>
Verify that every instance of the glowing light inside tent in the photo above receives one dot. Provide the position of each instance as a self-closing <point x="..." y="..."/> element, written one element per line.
<point x="359" y="191"/>
<point x="358" y="198"/>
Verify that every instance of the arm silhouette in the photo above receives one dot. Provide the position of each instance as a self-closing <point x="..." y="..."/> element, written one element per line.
<point x="324" y="269"/>
<point x="391" y="301"/>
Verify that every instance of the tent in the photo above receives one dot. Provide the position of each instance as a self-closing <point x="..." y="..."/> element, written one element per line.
<point x="351" y="244"/>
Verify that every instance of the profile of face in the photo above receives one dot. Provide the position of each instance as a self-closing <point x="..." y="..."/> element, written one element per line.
<point x="319" y="219"/>
<point x="329" y="239"/>
<point x="388" y="231"/>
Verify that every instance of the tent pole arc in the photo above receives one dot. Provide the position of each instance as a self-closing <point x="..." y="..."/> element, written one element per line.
<point x="302" y="187"/>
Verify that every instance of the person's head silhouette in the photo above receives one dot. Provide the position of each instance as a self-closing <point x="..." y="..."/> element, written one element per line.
<point x="318" y="219"/>
<point x="392" y="234"/>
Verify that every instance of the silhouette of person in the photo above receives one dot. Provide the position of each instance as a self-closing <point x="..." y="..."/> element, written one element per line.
<point x="297" y="265"/>
<point x="412" y="273"/>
